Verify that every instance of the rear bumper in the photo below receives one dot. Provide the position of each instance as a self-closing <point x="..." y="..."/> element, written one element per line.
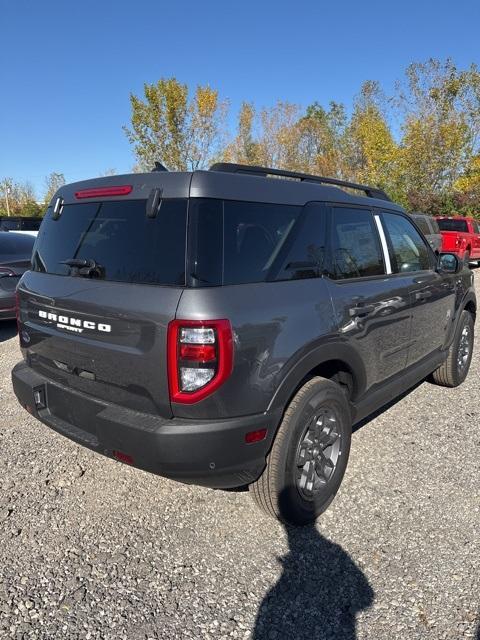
<point x="212" y="454"/>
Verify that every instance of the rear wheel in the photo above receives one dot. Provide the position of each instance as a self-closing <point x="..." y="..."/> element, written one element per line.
<point x="455" y="368"/>
<point x="309" y="455"/>
<point x="466" y="257"/>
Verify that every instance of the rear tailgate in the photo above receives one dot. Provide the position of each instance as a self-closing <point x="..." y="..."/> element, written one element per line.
<point x="451" y="241"/>
<point x="86" y="336"/>
<point x="103" y="332"/>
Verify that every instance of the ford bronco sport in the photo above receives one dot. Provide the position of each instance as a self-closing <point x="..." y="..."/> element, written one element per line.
<point x="228" y="327"/>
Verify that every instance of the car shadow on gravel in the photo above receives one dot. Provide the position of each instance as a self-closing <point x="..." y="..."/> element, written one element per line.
<point x="318" y="595"/>
<point x="8" y="329"/>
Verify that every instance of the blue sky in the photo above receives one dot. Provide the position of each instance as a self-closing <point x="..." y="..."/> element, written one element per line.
<point x="67" y="67"/>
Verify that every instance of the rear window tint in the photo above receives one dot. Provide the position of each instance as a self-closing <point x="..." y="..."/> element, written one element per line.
<point x="450" y="224"/>
<point x="120" y="238"/>
<point x="236" y="242"/>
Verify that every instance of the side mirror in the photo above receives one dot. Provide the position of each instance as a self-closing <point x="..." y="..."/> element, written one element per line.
<point x="449" y="263"/>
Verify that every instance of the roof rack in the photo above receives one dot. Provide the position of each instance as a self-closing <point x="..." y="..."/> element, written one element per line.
<point x="229" y="167"/>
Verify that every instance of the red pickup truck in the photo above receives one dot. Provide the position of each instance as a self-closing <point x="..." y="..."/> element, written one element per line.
<point x="460" y="236"/>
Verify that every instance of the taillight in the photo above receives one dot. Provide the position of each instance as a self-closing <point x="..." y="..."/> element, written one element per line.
<point x="101" y="192"/>
<point x="200" y="358"/>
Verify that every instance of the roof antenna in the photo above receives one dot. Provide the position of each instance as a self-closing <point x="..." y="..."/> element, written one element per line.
<point x="159" y="167"/>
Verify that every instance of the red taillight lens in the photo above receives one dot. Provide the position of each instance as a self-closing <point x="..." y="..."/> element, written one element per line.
<point x="200" y="358"/>
<point x="102" y="192"/>
<point x="199" y="352"/>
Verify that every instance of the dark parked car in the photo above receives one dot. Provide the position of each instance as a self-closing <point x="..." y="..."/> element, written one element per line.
<point x="228" y="327"/>
<point x="428" y="225"/>
<point x="15" y="256"/>
<point x="20" y="224"/>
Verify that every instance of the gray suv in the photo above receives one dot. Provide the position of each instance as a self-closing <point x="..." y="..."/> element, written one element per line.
<point x="228" y="327"/>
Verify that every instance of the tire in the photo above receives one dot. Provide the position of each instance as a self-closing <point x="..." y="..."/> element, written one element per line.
<point x="455" y="368"/>
<point x="466" y="258"/>
<point x="317" y="419"/>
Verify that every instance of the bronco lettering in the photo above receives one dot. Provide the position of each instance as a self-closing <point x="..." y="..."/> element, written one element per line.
<point x="72" y="324"/>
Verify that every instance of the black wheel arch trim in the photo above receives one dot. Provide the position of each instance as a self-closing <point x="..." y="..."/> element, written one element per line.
<point x="307" y="362"/>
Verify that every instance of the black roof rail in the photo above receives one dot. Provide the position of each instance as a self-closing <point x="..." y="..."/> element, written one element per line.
<point x="230" y="167"/>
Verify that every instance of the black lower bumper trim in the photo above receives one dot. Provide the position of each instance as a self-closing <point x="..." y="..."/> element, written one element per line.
<point x="209" y="453"/>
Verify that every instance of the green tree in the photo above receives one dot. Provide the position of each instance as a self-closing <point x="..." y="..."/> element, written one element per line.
<point x="370" y="147"/>
<point x="20" y="197"/>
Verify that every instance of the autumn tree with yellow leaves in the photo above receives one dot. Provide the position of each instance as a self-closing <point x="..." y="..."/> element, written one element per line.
<point x="422" y="145"/>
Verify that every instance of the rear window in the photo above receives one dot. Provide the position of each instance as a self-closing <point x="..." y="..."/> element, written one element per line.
<point x="237" y="242"/>
<point x="450" y="224"/>
<point x="128" y="246"/>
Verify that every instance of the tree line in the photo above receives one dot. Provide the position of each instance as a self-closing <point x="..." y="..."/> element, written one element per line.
<point x="421" y="144"/>
<point x="20" y="199"/>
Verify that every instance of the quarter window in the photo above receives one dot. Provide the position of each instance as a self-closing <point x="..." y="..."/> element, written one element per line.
<point x="408" y="250"/>
<point x="306" y="256"/>
<point x="356" y="250"/>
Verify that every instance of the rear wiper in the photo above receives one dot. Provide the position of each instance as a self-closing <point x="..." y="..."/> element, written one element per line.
<point x="88" y="268"/>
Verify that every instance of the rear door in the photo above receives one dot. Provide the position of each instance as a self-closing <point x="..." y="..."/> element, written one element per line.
<point x="103" y="332"/>
<point x="372" y="307"/>
<point x="432" y="295"/>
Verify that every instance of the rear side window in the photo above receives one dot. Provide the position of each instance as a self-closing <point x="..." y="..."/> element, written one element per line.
<point x="306" y="254"/>
<point x="128" y="246"/>
<point x="476" y="226"/>
<point x="450" y="224"/>
<point x="409" y="251"/>
<point x="234" y="242"/>
<point x="356" y="250"/>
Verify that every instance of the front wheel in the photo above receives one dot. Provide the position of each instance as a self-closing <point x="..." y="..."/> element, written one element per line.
<point x="455" y="368"/>
<point x="309" y="455"/>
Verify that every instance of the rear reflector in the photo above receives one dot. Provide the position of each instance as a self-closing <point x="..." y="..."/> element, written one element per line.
<point x="102" y="192"/>
<point x="199" y="352"/>
<point x="255" y="436"/>
<point x="122" y="457"/>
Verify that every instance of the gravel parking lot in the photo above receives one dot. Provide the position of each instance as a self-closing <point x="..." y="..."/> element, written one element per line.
<point x="90" y="548"/>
